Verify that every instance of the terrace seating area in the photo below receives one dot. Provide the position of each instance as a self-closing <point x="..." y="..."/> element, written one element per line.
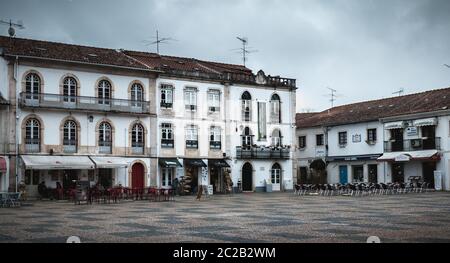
<point x="361" y="189"/>
<point x="118" y="194"/>
<point x="9" y="199"/>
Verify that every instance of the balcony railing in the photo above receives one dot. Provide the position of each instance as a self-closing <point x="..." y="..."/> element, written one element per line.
<point x="413" y="145"/>
<point x="104" y="147"/>
<point x="46" y="100"/>
<point x="32" y="145"/>
<point x="191" y="144"/>
<point x="70" y="146"/>
<point x="215" y="144"/>
<point x="167" y="143"/>
<point x="262" y="152"/>
<point x="137" y="148"/>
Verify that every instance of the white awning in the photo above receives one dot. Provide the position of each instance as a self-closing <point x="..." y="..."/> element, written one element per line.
<point x="425" y="122"/>
<point x="394" y="125"/>
<point x="110" y="162"/>
<point x="50" y="162"/>
<point x="407" y="156"/>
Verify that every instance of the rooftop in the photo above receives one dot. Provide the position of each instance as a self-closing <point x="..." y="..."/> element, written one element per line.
<point x="428" y="101"/>
<point x="169" y="65"/>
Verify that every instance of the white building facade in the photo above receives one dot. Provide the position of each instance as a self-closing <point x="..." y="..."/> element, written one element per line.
<point x="115" y="117"/>
<point x="377" y="142"/>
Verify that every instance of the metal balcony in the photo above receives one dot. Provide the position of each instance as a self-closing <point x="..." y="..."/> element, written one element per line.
<point x="413" y="145"/>
<point x="32" y="145"/>
<point x="45" y="100"/>
<point x="262" y="152"/>
<point x="137" y="148"/>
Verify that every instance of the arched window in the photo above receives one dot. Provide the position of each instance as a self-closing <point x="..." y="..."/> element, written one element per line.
<point x="275" y="112"/>
<point x="246" y="106"/>
<point x="247" y="137"/>
<point x="70" y="137"/>
<point x="105" y="137"/>
<point x="69" y="89"/>
<point x="276" y="138"/>
<point x="137" y="95"/>
<point x="32" y="135"/>
<point x="32" y="86"/>
<point x="137" y="139"/>
<point x="104" y="92"/>
<point x="275" y="175"/>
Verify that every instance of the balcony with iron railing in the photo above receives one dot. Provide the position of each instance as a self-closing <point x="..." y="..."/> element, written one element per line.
<point x="137" y="148"/>
<point x="215" y="145"/>
<point x="192" y="144"/>
<point x="167" y="143"/>
<point x="104" y="147"/>
<point x="413" y="144"/>
<point x="70" y="146"/>
<point x="45" y="100"/>
<point x="262" y="152"/>
<point x="32" y="145"/>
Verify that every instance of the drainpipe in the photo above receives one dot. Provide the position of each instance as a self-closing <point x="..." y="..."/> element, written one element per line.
<point x="16" y="119"/>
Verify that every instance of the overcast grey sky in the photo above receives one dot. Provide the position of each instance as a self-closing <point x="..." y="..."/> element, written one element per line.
<point x="365" y="49"/>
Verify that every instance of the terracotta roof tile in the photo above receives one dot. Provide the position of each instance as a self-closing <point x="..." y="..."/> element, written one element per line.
<point x="69" y="52"/>
<point x="433" y="100"/>
<point x="162" y="62"/>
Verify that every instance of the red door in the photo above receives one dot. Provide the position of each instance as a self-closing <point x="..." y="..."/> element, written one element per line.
<point x="137" y="176"/>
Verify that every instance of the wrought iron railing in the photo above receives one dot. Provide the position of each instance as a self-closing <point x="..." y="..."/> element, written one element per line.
<point x="413" y="145"/>
<point x="262" y="152"/>
<point x="46" y="100"/>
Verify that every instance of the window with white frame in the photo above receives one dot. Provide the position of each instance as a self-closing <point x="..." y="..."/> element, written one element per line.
<point x="104" y="92"/>
<point x="137" y="139"/>
<point x="167" y="175"/>
<point x="192" y="136"/>
<point x="302" y="142"/>
<point x="275" y="114"/>
<point x="105" y="137"/>
<point x="215" y="138"/>
<point x="70" y="137"/>
<point x="32" y="86"/>
<point x="166" y="96"/>
<point x="371" y="135"/>
<point x="247" y="140"/>
<point x="276" y="138"/>
<point x="190" y="99"/>
<point x="213" y="100"/>
<point x="167" y="135"/>
<point x="246" y="106"/>
<point x="69" y="89"/>
<point x="342" y="138"/>
<point x="137" y="95"/>
<point x="275" y="173"/>
<point x="32" y="135"/>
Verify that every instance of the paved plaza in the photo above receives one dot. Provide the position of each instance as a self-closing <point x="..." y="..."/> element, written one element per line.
<point x="252" y="217"/>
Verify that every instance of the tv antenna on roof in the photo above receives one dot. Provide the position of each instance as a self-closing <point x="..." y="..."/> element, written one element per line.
<point x="12" y="25"/>
<point x="333" y="96"/>
<point x="244" y="49"/>
<point x="399" y="92"/>
<point x="157" y="40"/>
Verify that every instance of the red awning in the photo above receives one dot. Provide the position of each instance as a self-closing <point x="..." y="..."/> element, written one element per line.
<point x="2" y="165"/>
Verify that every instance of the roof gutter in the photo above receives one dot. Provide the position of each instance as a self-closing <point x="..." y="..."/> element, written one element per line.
<point x="436" y="113"/>
<point x="84" y="63"/>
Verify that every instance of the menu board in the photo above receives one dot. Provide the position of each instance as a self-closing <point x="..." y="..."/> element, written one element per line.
<point x="82" y="189"/>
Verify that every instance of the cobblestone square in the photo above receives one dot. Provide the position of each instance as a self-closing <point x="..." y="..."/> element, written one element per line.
<point x="252" y="217"/>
